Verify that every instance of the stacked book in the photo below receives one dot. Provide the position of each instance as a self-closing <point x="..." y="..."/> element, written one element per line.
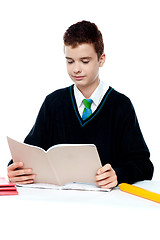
<point x="7" y="188"/>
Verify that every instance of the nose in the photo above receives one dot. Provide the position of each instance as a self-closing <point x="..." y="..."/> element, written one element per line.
<point x="77" y="68"/>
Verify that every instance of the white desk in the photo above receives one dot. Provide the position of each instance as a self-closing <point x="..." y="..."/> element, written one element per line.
<point x="69" y="214"/>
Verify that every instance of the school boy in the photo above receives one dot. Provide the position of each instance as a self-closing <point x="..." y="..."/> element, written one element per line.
<point x="105" y="118"/>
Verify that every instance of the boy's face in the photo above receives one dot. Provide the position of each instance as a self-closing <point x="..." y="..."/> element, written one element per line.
<point x="83" y="64"/>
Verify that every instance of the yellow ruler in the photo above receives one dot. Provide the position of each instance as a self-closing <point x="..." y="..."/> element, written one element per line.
<point x="140" y="192"/>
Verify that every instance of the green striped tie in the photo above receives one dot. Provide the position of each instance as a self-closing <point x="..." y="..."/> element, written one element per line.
<point x="87" y="110"/>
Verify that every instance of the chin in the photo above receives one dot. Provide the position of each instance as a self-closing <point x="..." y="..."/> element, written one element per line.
<point x="80" y="82"/>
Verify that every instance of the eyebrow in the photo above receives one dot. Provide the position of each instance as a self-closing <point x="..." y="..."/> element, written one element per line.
<point x="88" y="58"/>
<point x="83" y="58"/>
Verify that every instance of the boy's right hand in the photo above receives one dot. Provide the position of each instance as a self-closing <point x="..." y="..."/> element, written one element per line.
<point x="19" y="175"/>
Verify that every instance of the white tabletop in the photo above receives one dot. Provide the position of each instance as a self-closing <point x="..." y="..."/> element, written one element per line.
<point x="71" y="214"/>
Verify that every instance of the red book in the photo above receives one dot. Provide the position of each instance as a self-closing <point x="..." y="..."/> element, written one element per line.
<point x="7" y="188"/>
<point x="8" y="193"/>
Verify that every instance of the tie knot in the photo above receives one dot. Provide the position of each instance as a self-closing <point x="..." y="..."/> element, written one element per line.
<point x="87" y="103"/>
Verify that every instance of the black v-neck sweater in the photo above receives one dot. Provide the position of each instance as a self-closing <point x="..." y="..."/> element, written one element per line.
<point x="113" y="128"/>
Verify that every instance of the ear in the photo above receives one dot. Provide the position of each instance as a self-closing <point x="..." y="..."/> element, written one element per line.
<point x="102" y="59"/>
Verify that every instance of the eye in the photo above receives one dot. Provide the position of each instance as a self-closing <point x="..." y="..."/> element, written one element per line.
<point x="69" y="62"/>
<point x="85" y="62"/>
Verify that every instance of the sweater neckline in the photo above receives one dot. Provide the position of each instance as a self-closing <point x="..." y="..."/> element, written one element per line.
<point x="84" y="122"/>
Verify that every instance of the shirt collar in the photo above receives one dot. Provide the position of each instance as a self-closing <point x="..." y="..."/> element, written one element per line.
<point x="96" y="96"/>
<point x="78" y="96"/>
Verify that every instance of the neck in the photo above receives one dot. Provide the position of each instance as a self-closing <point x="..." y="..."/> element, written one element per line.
<point x="87" y="90"/>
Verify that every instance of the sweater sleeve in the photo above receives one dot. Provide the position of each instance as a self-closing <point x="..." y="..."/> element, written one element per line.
<point x="38" y="136"/>
<point x="134" y="164"/>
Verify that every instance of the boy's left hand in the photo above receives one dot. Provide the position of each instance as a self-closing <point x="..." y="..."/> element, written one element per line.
<point x="106" y="177"/>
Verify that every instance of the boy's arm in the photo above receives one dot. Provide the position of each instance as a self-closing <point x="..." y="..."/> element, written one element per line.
<point x="37" y="137"/>
<point x="134" y="161"/>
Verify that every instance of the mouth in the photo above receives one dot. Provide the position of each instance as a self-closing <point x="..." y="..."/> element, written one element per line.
<point x="78" y="77"/>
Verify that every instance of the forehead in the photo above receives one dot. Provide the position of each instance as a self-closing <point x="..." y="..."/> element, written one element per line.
<point x="80" y="51"/>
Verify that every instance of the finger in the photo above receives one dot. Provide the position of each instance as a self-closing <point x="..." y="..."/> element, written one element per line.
<point x="110" y="185"/>
<point x="25" y="182"/>
<point x="19" y="172"/>
<point x="24" y="178"/>
<point x="106" y="181"/>
<point x="15" y="165"/>
<point x="102" y="176"/>
<point x="105" y="168"/>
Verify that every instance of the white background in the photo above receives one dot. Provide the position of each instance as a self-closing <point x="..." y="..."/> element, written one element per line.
<point x="32" y="62"/>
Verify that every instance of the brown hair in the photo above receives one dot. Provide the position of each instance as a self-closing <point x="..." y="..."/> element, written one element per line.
<point x="84" y="32"/>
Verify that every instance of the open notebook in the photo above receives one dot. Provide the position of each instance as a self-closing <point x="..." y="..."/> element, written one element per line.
<point x="60" y="164"/>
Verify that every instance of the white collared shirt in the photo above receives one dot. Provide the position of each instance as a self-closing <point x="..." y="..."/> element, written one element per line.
<point x="96" y="96"/>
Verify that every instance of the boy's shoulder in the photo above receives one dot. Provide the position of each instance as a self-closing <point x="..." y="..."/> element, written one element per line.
<point x="121" y="101"/>
<point x="120" y="97"/>
<point x="57" y="96"/>
<point x="58" y="92"/>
